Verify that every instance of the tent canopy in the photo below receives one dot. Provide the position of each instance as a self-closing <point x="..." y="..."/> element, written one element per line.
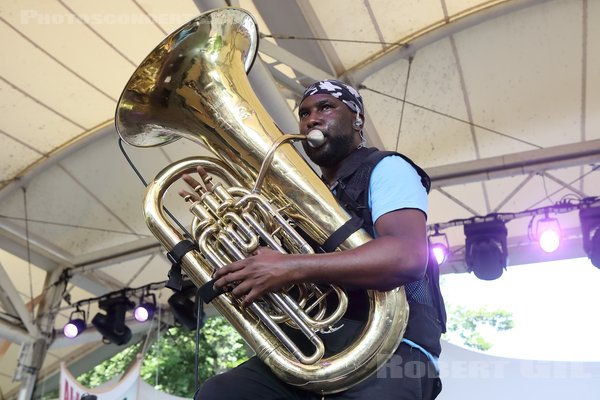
<point x="497" y="100"/>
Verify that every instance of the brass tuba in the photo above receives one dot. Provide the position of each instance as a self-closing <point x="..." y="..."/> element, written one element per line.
<point x="194" y="85"/>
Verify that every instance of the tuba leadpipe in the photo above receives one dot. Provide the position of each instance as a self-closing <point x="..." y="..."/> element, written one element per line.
<point x="194" y="85"/>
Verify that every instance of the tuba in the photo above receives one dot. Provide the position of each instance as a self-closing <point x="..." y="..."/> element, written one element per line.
<point x="194" y="85"/>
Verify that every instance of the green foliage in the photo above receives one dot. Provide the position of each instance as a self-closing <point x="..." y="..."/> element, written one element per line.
<point x="110" y="368"/>
<point x="466" y="325"/>
<point x="168" y="364"/>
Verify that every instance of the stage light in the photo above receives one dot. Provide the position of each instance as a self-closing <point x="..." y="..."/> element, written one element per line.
<point x="145" y="309"/>
<point x="143" y="312"/>
<point x="438" y="246"/>
<point x="75" y="325"/>
<point x="184" y="309"/>
<point x="590" y="229"/>
<point x="486" y="252"/>
<point x="440" y="252"/>
<point x="548" y="234"/>
<point x="112" y="324"/>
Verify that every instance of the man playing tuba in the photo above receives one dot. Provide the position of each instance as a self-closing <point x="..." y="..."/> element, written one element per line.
<point x="395" y="211"/>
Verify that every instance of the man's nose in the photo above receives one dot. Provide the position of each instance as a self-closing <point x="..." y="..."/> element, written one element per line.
<point x="312" y="120"/>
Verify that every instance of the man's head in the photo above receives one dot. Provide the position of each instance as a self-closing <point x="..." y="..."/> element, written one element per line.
<point x="335" y="109"/>
<point x="340" y="90"/>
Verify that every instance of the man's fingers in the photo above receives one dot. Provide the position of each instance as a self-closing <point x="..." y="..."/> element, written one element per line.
<point x="197" y="186"/>
<point x="242" y="289"/>
<point x="225" y="278"/>
<point x="252" y="295"/>
<point x="230" y="268"/>
<point x="205" y="178"/>
<point x="188" y="196"/>
<point x="192" y="182"/>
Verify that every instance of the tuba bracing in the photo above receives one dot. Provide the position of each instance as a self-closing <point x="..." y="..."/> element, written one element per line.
<point x="194" y="85"/>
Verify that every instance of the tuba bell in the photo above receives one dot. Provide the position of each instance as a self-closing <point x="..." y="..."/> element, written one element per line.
<point x="194" y="85"/>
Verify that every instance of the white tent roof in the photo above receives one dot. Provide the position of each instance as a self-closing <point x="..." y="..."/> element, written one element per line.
<point x="497" y="100"/>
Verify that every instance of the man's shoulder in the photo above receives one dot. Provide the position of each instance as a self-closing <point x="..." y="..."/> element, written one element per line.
<point x="392" y="164"/>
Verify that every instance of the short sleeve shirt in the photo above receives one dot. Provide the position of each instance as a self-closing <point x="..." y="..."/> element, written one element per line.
<point x="395" y="185"/>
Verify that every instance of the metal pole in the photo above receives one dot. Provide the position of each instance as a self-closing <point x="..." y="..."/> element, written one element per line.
<point x="33" y="355"/>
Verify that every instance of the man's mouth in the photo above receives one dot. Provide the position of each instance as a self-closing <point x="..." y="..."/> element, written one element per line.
<point x="315" y="138"/>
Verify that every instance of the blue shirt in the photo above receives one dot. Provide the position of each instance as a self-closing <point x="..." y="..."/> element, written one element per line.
<point x="395" y="185"/>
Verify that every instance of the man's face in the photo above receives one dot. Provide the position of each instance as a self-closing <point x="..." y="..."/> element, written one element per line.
<point x="332" y="117"/>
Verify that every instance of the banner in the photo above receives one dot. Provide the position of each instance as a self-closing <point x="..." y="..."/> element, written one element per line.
<point x="129" y="387"/>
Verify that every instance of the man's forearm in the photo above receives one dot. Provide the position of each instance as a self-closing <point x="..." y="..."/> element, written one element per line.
<point x="382" y="264"/>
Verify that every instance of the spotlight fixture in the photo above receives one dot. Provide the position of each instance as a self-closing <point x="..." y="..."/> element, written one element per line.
<point x="145" y="309"/>
<point x="486" y="252"/>
<point x="548" y="234"/>
<point x="75" y="325"/>
<point x="112" y="324"/>
<point x="438" y="246"/>
<point x="590" y="229"/>
<point x="184" y="308"/>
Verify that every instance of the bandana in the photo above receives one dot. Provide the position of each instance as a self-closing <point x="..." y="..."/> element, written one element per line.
<point x="341" y="91"/>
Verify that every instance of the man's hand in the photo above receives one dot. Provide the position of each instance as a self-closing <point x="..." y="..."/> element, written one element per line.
<point x="264" y="271"/>
<point x="195" y="185"/>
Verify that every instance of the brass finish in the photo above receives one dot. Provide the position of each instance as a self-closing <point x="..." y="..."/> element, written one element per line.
<point x="194" y="85"/>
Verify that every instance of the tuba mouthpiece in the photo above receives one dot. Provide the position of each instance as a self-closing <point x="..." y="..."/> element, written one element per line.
<point x="315" y="138"/>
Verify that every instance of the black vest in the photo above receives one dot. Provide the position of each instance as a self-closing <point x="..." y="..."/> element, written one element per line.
<point x="427" y="317"/>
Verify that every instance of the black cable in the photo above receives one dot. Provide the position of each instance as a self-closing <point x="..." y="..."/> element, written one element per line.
<point x="363" y="87"/>
<point x="91" y="228"/>
<point x="410" y="61"/>
<point x="317" y="39"/>
<point x="139" y="175"/>
<point x="563" y="206"/>
<point x="131" y="163"/>
<point x="199" y="325"/>
<point x="28" y="249"/>
<point x="125" y="292"/>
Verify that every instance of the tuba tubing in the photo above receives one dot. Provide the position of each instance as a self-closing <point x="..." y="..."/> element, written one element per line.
<point x="194" y="85"/>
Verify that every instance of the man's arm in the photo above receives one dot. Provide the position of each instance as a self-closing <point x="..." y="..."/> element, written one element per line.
<point x="397" y="256"/>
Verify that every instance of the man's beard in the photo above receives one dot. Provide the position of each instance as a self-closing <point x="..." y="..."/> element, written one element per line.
<point x="334" y="150"/>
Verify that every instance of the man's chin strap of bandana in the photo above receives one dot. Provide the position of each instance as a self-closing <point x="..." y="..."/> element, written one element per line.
<point x="343" y="92"/>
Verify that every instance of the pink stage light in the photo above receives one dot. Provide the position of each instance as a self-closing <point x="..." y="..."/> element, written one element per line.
<point x="548" y="234"/>
<point x="440" y="252"/>
<point x="144" y="312"/>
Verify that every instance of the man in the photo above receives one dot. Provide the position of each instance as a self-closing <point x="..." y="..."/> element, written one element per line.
<point x="397" y="256"/>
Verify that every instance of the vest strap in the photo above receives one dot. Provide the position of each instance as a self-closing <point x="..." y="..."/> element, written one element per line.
<point x="341" y="234"/>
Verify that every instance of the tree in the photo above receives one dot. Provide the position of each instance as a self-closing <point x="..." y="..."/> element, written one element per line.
<point x="168" y="364"/>
<point x="466" y="325"/>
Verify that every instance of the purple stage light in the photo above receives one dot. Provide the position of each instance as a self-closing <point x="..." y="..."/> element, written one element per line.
<point x="548" y="234"/>
<point x="74" y="327"/>
<point x="439" y="248"/>
<point x="440" y="252"/>
<point x="144" y="312"/>
<point x="549" y="241"/>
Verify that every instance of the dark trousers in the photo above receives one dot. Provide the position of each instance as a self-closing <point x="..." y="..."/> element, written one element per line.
<point x="408" y="375"/>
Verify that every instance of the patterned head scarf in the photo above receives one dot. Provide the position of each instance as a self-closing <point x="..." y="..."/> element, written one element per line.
<point x="341" y="91"/>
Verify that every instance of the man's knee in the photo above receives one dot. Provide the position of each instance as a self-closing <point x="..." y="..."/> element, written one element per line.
<point x="214" y="388"/>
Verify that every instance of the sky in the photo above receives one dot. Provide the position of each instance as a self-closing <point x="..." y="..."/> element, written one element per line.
<point x="555" y="307"/>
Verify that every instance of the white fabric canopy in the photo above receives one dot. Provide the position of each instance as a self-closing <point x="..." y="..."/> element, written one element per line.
<point x="497" y="100"/>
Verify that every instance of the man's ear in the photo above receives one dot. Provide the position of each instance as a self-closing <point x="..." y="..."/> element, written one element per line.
<point x="358" y="123"/>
